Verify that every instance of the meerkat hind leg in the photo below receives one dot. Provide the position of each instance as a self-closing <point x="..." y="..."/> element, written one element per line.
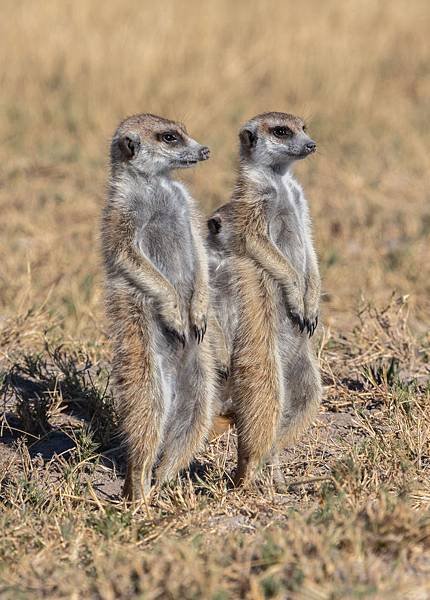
<point x="250" y="471"/>
<point x="140" y="397"/>
<point x="257" y="383"/>
<point x="246" y="469"/>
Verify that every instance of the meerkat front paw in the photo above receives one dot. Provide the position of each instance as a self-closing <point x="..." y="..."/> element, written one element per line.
<point x="223" y="371"/>
<point x="311" y="316"/>
<point x="199" y="319"/>
<point x="296" y="307"/>
<point x="171" y="315"/>
<point x="311" y="323"/>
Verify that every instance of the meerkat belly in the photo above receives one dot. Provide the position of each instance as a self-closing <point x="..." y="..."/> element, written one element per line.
<point x="167" y="241"/>
<point x="224" y="299"/>
<point x="286" y="232"/>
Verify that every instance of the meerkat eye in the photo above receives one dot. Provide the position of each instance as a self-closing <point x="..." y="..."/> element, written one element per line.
<point x="170" y="137"/>
<point x="281" y="132"/>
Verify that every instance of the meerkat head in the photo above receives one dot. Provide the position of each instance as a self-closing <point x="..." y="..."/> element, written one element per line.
<point x="219" y="228"/>
<point x="152" y="145"/>
<point x="275" y="140"/>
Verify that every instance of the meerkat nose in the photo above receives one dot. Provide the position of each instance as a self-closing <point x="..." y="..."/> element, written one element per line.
<point x="311" y="146"/>
<point x="204" y="153"/>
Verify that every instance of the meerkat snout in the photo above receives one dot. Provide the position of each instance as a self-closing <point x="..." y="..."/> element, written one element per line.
<point x="311" y="146"/>
<point x="204" y="153"/>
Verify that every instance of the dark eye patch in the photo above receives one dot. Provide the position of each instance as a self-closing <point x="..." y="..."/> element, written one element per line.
<point x="170" y="137"/>
<point x="281" y="132"/>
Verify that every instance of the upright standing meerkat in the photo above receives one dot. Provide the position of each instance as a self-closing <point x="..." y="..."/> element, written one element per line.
<point x="157" y="300"/>
<point x="265" y="271"/>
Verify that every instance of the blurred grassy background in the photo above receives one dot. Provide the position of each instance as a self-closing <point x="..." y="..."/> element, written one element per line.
<point x="355" y="522"/>
<point x="358" y="71"/>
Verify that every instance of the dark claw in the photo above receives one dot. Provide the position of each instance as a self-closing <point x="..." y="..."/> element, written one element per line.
<point x="311" y="326"/>
<point x="224" y="372"/>
<point x="181" y="337"/>
<point x="200" y="333"/>
<point x="297" y="320"/>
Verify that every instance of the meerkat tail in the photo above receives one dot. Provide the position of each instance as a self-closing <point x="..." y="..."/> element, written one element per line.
<point x="305" y="397"/>
<point x="195" y="406"/>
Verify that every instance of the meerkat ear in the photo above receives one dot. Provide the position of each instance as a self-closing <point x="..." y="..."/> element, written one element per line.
<point x="214" y="225"/>
<point x="248" y="138"/>
<point x="129" y="145"/>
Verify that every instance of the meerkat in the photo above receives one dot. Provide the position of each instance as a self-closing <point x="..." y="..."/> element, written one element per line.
<point x="265" y="272"/>
<point x="157" y="300"/>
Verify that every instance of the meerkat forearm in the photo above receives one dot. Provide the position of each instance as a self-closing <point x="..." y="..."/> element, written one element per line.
<point x="141" y="271"/>
<point x="200" y="298"/>
<point x="143" y="274"/>
<point x="313" y="282"/>
<point x="313" y="278"/>
<point x="266" y="254"/>
<point x="202" y="269"/>
<point x="312" y="293"/>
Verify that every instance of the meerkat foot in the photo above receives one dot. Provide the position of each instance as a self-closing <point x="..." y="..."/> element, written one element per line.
<point x="137" y="484"/>
<point x="245" y="472"/>
<point x="278" y="479"/>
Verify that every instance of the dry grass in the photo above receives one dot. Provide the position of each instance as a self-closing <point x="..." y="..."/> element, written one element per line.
<point x="355" y="522"/>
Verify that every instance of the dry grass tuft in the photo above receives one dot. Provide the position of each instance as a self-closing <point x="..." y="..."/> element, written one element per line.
<point x="355" y="520"/>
